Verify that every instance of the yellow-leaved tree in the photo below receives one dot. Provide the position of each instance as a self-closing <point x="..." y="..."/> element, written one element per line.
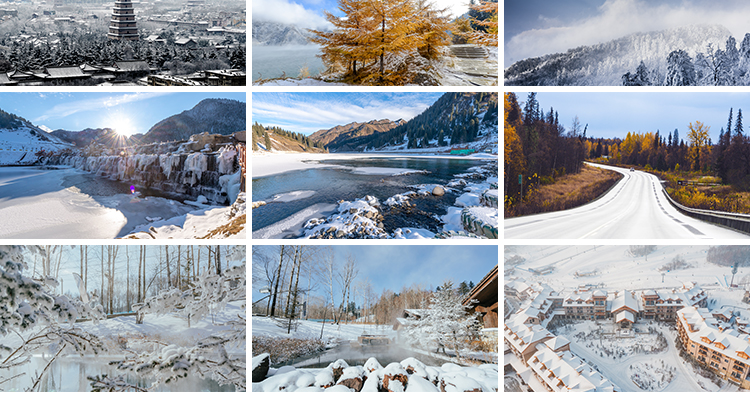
<point x="488" y="34"/>
<point x="699" y="154"/>
<point x="383" y="42"/>
<point x="514" y="159"/>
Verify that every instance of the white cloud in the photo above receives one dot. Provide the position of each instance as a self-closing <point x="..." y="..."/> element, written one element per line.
<point x="285" y="11"/>
<point x="307" y="117"/>
<point x="455" y="8"/>
<point x="618" y="18"/>
<point x="72" y="107"/>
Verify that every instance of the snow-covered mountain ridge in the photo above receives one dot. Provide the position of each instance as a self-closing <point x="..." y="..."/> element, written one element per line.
<point x="20" y="145"/>
<point x="605" y="63"/>
<point x="274" y="33"/>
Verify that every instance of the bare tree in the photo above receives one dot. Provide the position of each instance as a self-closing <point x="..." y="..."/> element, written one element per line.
<point x="345" y="278"/>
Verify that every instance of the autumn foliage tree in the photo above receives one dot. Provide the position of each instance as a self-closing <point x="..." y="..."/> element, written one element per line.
<point x="383" y="42"/>
<point x="537" y="148"/>
<point x="699" y="145"/>
<point x="486" y="32"/>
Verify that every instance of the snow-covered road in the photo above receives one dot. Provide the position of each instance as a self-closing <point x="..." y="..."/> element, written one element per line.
<point x="635" y="208"/>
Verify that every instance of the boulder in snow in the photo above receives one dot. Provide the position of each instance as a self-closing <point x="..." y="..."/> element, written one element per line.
<point x="260" y="367"/>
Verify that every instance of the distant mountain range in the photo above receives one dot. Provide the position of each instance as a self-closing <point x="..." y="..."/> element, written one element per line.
<point x="105" y="136"/>
<point x="273" y="33"/>
<point x="19" y="136"/>
<point x="215" y="116"/>
<point x="606" y="63"/>
<point x="338" y="137"/>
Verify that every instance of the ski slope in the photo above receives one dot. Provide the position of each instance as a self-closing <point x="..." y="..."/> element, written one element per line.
<point x="636" y="208"/>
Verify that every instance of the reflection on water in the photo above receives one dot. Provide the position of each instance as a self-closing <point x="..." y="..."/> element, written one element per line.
<point x="334" y="184"/>
<point x="68" y="374"/>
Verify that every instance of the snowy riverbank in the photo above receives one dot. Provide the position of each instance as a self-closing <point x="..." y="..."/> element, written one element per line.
<point x="474" y="213"/>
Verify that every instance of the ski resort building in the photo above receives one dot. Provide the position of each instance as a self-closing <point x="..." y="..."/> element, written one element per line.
<point x="718" y="347"/>
<point x="544" y="361"/>
<point x="626" y="307"/>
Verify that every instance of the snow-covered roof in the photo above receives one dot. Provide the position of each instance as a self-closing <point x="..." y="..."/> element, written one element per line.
<point x="600" y="292"/>
<point x="563" y="371"/>
<point x="65" y="72"/>
<point x="557" y="342"/>
<point x="624" y="299"/>
<point x="702" y="328"/>
<point x="624" y="315"/>
<point x="521" y="335"/>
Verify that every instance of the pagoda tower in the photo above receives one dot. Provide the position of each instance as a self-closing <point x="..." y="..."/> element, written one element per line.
<point x="122" y="26"/>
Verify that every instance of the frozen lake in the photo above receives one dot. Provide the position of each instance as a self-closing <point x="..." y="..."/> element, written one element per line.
<point x="43" y="203"/>
<point x="271" y="61"/>
<point x="318" y="189"/>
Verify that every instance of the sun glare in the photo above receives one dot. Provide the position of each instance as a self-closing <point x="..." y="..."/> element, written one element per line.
<point x="122" y="124"/>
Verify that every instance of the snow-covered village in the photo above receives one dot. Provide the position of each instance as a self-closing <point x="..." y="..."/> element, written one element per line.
<point x="130" y="165"/>
<point x="375" y="166"/>
<point x="122" y="318"/>
<point x="355" y="318"/>
<point x="123" y="43"/>
<point x="626" y="318"/>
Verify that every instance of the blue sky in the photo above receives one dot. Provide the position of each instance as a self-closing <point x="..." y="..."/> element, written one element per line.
<point x="396" y="266"/>
<point x="309" y="13"/>
<point x="128" y="113"/>
<point x="614" y="114"/>
<point x="309" y="112"/>
<point x="539" y="27"/>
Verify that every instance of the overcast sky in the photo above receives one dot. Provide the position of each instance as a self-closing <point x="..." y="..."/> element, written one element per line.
<point x="396" y="266"/>
<point x="614" y="114"/>
<point x="540" y="27"/>
<point x="128" y="113"/>
<point x="309" y="13"/>
<point x="309" y="112"/>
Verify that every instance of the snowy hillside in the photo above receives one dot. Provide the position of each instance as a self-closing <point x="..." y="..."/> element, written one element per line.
<point x="20" y="145"/>
<point x="216" y="116"/>
<point x="273" y="33"/>
<point x="605" y="63"/>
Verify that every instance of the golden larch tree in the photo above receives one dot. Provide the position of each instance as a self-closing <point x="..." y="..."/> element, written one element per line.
<point x="341" y="48"/>
<point x="489" y="37"/>
<point x="698" y="137"/>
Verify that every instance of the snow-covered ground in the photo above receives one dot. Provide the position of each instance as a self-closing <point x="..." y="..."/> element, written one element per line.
<point x="213" y="221"/>
<point x="37" y="204"/>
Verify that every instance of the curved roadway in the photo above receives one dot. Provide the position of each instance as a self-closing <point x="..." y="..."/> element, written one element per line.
<point x="635" y="208"/>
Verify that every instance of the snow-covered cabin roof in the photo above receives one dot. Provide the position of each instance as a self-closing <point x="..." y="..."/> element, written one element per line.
<point x="624" y="315"/>
<point x="624" y="300"/>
